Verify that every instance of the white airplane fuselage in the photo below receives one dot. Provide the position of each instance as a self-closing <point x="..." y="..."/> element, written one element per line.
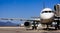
<point x="47" y="15"/>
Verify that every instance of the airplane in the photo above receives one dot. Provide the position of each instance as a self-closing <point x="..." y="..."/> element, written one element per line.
<point x="47" y="16"/>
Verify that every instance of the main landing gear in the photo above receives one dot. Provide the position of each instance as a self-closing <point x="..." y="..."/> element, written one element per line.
<point x="35" y="24"/>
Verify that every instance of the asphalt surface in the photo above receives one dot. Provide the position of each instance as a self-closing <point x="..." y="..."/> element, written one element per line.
<point x="23" y="30"/>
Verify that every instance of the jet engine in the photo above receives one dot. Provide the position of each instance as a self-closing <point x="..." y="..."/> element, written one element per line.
<point x="27" y="24"/>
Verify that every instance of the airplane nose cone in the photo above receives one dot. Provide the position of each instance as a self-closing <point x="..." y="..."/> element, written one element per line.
<point x="47" y="15"/>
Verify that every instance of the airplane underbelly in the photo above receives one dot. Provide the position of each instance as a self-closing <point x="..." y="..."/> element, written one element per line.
<point x="46" y="20"/>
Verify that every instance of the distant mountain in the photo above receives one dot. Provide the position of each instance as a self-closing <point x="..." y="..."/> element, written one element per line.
<point x="2" y="23"/>
<point x="8" y="24"/>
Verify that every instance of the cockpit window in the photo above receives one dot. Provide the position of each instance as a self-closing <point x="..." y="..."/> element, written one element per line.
<point x="47" y="12"/>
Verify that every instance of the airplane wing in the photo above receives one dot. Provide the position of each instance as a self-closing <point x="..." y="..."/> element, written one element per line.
<point x="21" y="19"/>
<point x="35" y="17"/>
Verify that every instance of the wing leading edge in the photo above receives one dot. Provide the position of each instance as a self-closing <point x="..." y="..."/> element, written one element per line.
<point x="21" y="19"/>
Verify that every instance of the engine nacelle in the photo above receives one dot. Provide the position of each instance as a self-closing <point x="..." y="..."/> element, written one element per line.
<point x="27" y="24"/>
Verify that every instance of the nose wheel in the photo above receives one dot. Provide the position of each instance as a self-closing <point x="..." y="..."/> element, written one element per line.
<point x="47" y="27"/>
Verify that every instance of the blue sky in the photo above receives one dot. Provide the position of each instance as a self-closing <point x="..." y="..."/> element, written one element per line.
<point x="24" y="8"/>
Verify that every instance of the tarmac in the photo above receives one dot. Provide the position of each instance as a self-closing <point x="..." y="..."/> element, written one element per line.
<point x="23" y="30"/>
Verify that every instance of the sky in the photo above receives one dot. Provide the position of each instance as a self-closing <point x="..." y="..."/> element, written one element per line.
<point x="24" y="8"/>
